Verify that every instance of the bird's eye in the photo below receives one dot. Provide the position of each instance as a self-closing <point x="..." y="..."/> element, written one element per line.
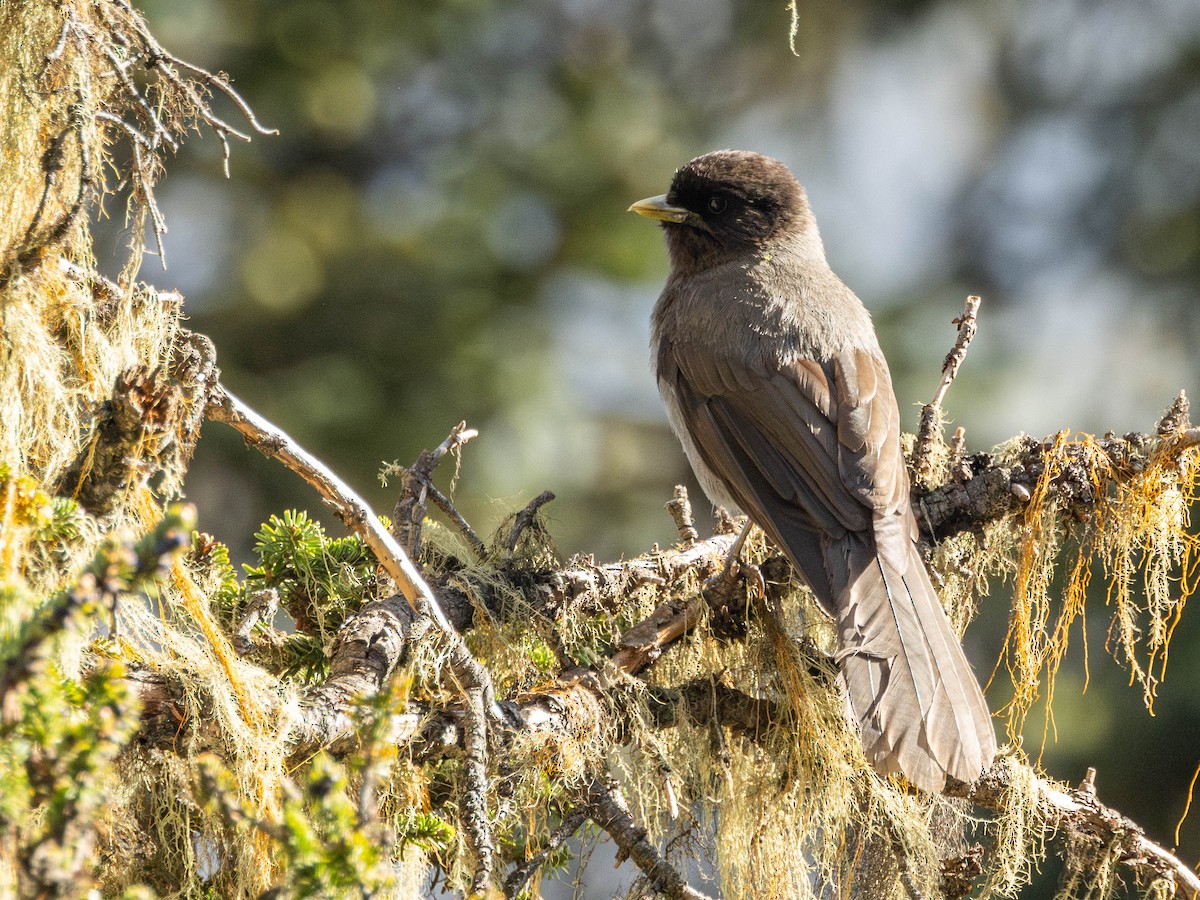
<point x="716" y="205"/>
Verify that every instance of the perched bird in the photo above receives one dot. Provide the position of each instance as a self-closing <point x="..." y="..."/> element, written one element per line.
<point x="774" y="382"/>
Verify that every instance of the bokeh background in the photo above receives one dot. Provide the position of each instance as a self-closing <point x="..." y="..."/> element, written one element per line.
<point x="439" y="233"/>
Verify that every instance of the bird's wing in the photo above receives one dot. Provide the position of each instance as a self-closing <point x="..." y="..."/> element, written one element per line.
<point x="807" y="449"/>
<point x="822" y="436"/>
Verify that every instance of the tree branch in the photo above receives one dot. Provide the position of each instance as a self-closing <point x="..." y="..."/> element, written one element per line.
<point x="607" y="809"/>
<point x="417" y="487"/>
<point x="519" y="876"/>
<point x="366" y="669"/>
<point x="1079" y="813"/>
<point x="373" y="641"/>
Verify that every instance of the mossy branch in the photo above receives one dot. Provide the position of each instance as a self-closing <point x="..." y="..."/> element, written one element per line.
<point x="1078" y="813"/>
<point x="359" y="518"/>
<point x="607" y="808"/>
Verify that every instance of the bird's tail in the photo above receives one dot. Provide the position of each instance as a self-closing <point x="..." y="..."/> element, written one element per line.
<point x="909" y="684"/>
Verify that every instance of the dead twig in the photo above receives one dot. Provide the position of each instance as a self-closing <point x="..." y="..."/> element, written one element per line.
<point x="525" y="519"/>
<point x="606" y="807"/>
<point x="680" y="509"/>
<point x="930" y="414"/>
<point x="169" y="67"/>
<point x="442" y="502"/>
<point x="646" y="641"/>
<point x="417" y="488"/>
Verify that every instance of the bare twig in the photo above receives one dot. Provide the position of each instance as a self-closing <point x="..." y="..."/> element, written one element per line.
<point x="930" y="413"/>
<point x="474" y="681"/>
<point x="61" y="44"/>
<point x="169" y="67"/>
<point x="417" y="487"/>
<point x="442" y="502"/>
<point x="221" y="82"/>
<point x="161" y="132"/>
<point x="606" y="807"/>
<point x="958" y="452"/>
<point x="525" y="518"/>
<point x="680" y="509"/>
<point x="53" y="162"/>
<point x="143" y="190"/>
<point x="134" y="135"/>
<point x="727" y="592"/>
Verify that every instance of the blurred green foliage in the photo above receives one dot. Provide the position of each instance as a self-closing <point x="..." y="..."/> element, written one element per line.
<point x="61" y="733"/>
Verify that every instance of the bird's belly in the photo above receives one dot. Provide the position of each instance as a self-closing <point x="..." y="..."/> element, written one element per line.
<point x="713" y="486"/>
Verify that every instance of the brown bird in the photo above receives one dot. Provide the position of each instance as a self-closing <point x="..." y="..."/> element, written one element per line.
<point x="775" y="384"/>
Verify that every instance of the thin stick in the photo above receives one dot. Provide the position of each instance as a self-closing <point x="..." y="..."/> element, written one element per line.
<point x="442" y="502"/>
<point x="525" y="518"/>
<point x="418" y="488"/>
<point x="929" y="414"/>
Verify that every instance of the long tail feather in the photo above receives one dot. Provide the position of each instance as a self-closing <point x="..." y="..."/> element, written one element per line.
<point x="910" y="686"/>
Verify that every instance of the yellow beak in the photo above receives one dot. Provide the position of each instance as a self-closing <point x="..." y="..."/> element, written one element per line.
<point x="659" y="208"/>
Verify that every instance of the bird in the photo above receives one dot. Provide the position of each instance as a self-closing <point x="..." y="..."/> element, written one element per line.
<point x="775" y="384"/>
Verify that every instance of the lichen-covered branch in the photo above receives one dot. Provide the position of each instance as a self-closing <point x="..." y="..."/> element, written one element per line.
<point x="607" y="809"/>
<point x="580" y="700"/>
<point x="1080" y="814"/>
<point x="365" y="654"/>
<point x="990" y="487"/>
<point x="363" y="674"/>
<point x="515" y="883"/>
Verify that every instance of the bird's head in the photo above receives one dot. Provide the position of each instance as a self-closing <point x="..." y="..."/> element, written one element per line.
<point x="725" y="204"/>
